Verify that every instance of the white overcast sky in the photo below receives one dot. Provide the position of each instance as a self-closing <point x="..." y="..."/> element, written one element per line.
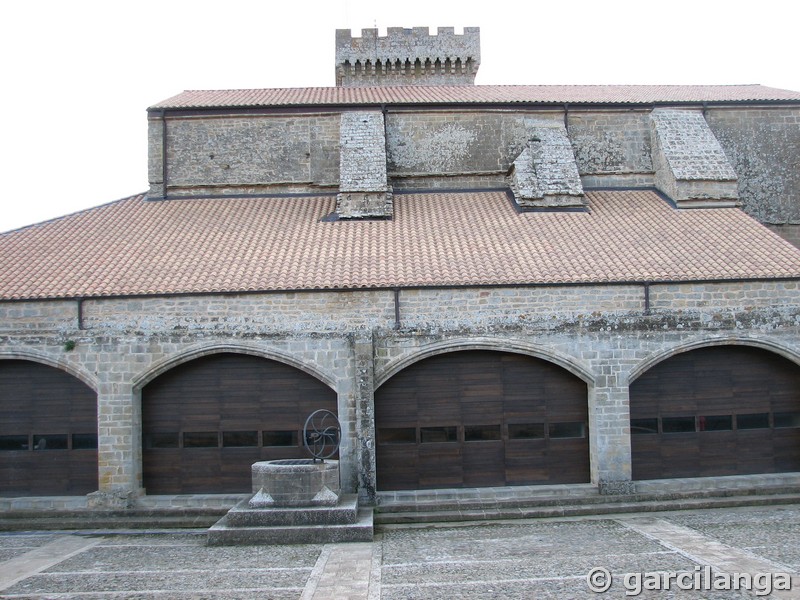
<point x="78" y="75"/>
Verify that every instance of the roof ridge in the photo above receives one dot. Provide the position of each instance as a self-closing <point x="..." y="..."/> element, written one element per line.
<point x="481" y="85"/>
<point x="603" y="94"/>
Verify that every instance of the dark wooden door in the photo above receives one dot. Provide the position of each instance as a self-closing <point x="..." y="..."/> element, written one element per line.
<point x="48" y="431"/>
<point x="207" y="421"/>
<point x="725" y="410"/>
<point x="478" y="419"/>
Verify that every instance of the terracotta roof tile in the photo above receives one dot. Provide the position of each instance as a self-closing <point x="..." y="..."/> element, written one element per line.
<point x="476" y="94"/>
<point x="135" y="246"/>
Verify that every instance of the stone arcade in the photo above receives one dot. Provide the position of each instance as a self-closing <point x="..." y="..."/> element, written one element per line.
<point x="491" y="286"/>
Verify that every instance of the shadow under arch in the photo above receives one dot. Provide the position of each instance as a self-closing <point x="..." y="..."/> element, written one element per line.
<point x="169" y="363"/>
<point x="564" y="361"/>
<point x="662" y="355"/>
<point x="40" y="357"/>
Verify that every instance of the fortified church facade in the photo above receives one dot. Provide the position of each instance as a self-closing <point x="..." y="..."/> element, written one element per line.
<point x="489" y="285"/>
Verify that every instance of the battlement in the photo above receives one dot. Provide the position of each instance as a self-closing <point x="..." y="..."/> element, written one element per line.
<point x="407" y="57"/>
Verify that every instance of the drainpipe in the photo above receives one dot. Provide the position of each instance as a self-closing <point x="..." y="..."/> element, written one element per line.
<point x="396" y="308"/>
<point x="80" y="313"/>
<point x="164" y="152"/>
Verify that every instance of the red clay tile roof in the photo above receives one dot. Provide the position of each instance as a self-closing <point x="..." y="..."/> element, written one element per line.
<point x="476" y="94"/>
<point x="135" y="246"/>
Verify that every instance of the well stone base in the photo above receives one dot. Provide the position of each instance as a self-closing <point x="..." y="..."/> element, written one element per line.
<point x="244" y="526"/>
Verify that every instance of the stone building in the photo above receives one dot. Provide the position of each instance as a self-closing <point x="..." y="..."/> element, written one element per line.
<point x="490" y="285"/>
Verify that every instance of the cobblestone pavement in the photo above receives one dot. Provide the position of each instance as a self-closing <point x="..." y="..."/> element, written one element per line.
<point x="541" y="559"/>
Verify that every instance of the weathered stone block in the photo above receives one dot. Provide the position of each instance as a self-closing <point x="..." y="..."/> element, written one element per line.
<point x="690" y="165"/>
<point x="616" y="488"/>
<point x="545" y="174"/>
<point x="364" y="205"/>
<point x="363" y="184"/>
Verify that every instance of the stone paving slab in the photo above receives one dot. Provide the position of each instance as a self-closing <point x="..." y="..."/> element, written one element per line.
<point x="773" y="533"/>
<point x="552" y="589"/>
<point x="25" y="566"/>
<point x="540" y="559"/>
<point x="160" y="581"/>
<point x="342" y="572"/>
<point x="534" y="568"/>
<point x="198" y="558"/>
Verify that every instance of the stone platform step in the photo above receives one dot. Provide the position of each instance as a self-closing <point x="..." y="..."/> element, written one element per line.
<point x="222" y="534"/>
<point x="132" y="519"/>
<point x="345" y="512"/>
<point x="441" y="506"/>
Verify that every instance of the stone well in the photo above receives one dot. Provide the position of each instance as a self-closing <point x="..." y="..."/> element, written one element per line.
<point x="295" y="483"/>
<point x="296" y="501"/>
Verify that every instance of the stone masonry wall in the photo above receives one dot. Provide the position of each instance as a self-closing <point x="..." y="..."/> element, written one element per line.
<point x="763" y="145"/>
<point x="251" y="153"/>
<point x="791" y="233"/>
<point x="611" y="142"/>
<point x="467" y="149"/>
<point x="603" y="334"/>
<point x="296" y="312"/>
<point x="462" y="143"/>
<point x="61" y="315"/>
<point x="155" y="155"/>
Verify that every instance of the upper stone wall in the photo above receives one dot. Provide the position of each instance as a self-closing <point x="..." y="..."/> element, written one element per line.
<point x="244" y="154"/>
<point x="457" y="142"/>
<point x="763" y="145"/>
<point x="465" y="147"/>
<point x="611" y="144"/>
<point x="407" y="57"/>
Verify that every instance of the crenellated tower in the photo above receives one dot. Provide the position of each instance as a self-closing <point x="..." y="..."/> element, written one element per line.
<point x="407" y="57"/>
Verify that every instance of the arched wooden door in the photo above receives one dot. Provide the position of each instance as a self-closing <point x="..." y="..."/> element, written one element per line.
<point x="48" y="431"/>
<point x="723" y="410"/>
<point x="481" y="418"/>
<point x="205" y="422"/>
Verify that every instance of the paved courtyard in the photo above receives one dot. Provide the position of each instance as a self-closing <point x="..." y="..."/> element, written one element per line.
<point x="542" y="559"/>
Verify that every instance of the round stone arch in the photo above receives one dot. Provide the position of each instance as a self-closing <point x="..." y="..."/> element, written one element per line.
<point x="726" y="405"/>
<point x="565" y="361"/>
<point x="784" y="350"/>
<point x="76" y="371"/>
<point x="195" y="352"/>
